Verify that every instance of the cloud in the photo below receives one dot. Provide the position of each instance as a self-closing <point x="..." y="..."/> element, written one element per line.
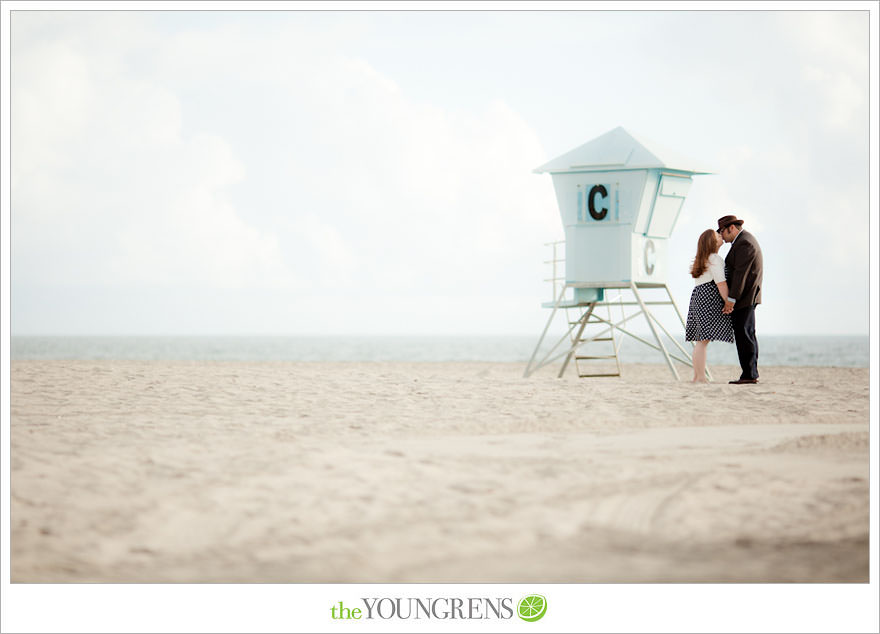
<point x="844" y="96"/>
<point x="388" y="192"/>
<point x="836" y="38"/>
<point x="223" y="158"/>
<point x="108" y="187"/>
<point x="170" y="150"/>
<point x="832" y="51"/>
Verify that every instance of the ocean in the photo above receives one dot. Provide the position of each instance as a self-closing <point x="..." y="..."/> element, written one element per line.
<point x="827" y="351"/>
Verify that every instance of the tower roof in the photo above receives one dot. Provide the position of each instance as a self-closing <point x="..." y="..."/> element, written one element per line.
<point x="618" y="150"/>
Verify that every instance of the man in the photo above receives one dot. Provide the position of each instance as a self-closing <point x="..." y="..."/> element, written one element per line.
<point x="744" y="266"/>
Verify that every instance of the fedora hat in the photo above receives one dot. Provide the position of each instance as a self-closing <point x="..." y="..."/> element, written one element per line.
<point x="726" y="221"/>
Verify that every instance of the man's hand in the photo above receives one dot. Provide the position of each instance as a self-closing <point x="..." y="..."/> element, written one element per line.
<point x="728" y="308"/>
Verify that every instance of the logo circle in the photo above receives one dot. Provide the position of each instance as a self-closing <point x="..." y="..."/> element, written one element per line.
<point x="532" y="608"/>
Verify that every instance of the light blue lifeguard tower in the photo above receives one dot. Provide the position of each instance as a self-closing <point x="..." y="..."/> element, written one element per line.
<point x="619" y="202"/>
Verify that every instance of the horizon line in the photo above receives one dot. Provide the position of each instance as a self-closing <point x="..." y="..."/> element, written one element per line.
<point x="376" y="335"/>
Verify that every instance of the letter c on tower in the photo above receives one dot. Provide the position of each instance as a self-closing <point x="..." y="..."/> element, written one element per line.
<point x="650" y="257"/>
<point x="597" y="189"/>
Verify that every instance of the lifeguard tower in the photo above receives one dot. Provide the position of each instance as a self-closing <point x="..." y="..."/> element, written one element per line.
<point x="619" y="203"/>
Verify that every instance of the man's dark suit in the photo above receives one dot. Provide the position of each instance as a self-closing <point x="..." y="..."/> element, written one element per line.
<point x="744" y="266"/>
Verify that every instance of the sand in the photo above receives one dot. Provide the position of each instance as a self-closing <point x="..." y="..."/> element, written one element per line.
<point x="434" y="472"/>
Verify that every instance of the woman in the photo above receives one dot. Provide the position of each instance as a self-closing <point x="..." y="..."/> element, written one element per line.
<point x="705" y="322"/>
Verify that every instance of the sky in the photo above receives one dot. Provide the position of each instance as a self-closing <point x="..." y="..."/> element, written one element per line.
<point x="371" y="172"/>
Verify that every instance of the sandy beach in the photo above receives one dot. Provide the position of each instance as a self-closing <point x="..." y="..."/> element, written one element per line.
<point x="434" y="472"/>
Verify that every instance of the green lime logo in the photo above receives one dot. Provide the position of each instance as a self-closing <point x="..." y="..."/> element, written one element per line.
<point x="532" y="607"/>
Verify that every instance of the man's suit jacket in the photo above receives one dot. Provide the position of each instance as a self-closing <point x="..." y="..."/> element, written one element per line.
<point x="744" y="267"/>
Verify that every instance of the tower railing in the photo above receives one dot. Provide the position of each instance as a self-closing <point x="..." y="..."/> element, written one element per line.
<point x="557" y="262"/>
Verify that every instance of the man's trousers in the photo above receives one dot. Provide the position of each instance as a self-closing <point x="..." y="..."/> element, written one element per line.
<point x="746" y="341"/>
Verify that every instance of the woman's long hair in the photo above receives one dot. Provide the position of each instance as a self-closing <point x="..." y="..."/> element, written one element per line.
<point x="707" y="244"/>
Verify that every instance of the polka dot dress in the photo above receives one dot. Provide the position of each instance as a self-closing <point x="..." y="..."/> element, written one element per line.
<point x="705" y="320"/>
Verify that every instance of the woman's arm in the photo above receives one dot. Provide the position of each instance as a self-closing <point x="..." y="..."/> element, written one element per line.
<point x="722" y="288"/>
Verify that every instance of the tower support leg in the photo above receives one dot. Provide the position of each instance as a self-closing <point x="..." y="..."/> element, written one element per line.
<point x="650" y="321"/>
<point x="529" y="369"/>
<point x="577" y="339"/>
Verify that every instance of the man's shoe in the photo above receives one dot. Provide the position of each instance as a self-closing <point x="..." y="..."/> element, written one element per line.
<point x="743" y="381"/>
